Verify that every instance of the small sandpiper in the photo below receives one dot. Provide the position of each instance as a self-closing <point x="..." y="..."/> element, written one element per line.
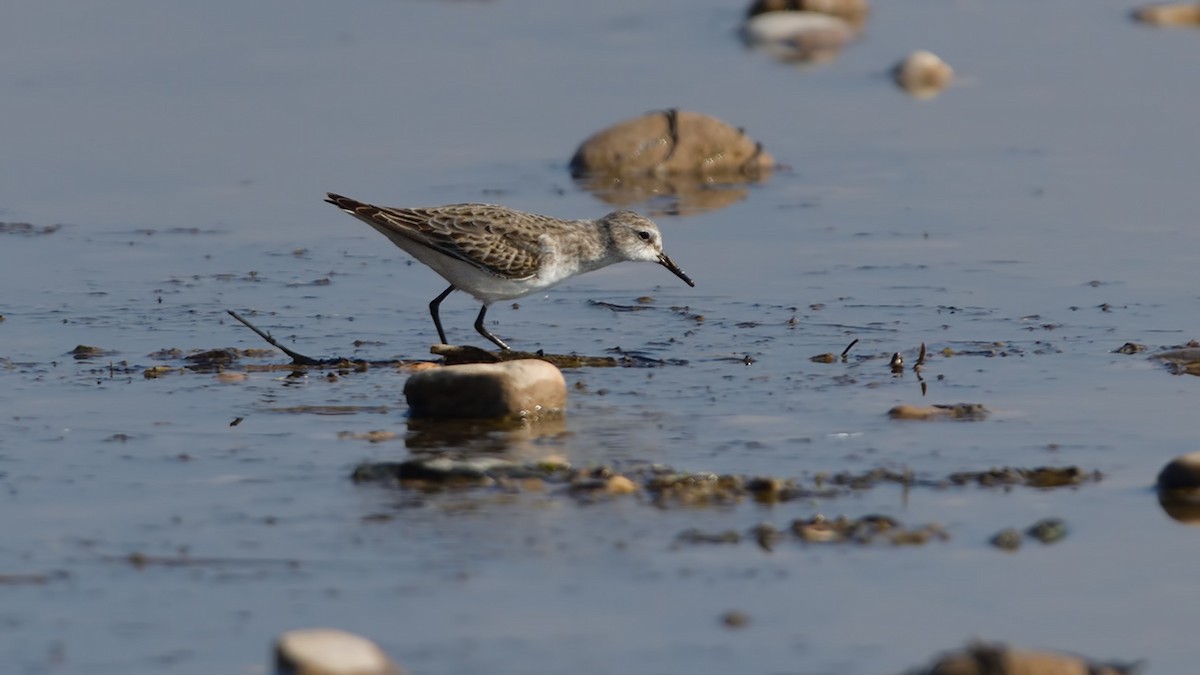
<point x="497" y="253"/>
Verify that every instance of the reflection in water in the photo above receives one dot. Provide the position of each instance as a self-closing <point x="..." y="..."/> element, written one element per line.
<point x="1178" y="487"/>
<point x="674" y="161"/>
<point x="1186" y="512"/>
<point x="678" y="195"/>
<point x="526" y="440"/>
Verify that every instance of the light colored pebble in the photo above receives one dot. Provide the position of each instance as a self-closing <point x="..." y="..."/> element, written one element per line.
<point x="854" y="11"/>
<point x="525" y="388"/>
<point x="914" y="412"/>
<point x="620" y="485"/>
<point x="328" y="651"/>
<point x="1169" y="14"/>
<point x="922" y="74"/>
<point x="799" y="36"/>
<point x="956" y="411"/>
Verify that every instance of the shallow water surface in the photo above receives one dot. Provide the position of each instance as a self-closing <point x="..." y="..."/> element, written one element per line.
<point x="1023" y="225"/>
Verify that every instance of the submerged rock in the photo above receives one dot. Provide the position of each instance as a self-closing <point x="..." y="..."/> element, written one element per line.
<point x="84" y="352"/>
<point x="1048" y="530"/>
<point x="1178" y="487"/>
<point x="525" y="388"/>
<point x="328" y="651"/>
<point x="1182" y="361"/>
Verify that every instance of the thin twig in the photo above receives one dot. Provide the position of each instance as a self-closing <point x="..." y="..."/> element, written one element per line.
<point x="298" y="359"/>
<point x="848" y="348"/>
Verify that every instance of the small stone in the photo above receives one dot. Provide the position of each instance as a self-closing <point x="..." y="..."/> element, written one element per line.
<point x="1130" y="348"/>
<point x="854" y="11"/>
<point x="816" y="529"/>
<point x="922" y="74"/>
<point x="228" y="377"/>
<point x="957" y="411"/>
<point x="735" y="619"/>
<point x="211" y="358"/>
<point x="619" y="485"/>
<point x="1006" y="540"/>
<point x="156" y="371"/>
<point x="83" y="352"/>
<point x="1048" y="530"/>
<point x="328" y="651"/>
<point x="524" y="388"/>
<point x="799" y="36"/>
<point x="1169" y="14"/>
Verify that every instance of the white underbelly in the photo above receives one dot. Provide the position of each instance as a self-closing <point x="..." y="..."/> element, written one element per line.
<point x="486" y="287"/>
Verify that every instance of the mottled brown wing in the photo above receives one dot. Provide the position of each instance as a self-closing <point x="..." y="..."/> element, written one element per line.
<point x="497" y="240"/>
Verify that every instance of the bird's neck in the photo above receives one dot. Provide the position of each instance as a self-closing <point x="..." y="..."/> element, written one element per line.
<point x="589" y="249"/>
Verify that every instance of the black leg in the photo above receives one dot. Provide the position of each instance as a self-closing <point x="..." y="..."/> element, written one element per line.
<point x="484" y="332"/>
<point x="433" y="311"/>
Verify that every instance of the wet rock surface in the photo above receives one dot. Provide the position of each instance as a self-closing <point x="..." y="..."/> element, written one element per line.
<point x="523" y="388"/>
<point x="674" y="161"/>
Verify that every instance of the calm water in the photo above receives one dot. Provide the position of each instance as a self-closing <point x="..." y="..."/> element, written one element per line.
<point x="1045" y="202"/>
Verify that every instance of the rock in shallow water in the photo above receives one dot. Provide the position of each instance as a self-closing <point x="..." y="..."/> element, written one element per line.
<point x="328" y="651"/>
<point x="799" y="36"/>
<point x="671" y="142"/>
<point x="1180" y="478"/>
<point x="525" y="388"/>
<point x="854" y="11"/>
<point x="1178" y="487"/>
<point x="1169" y="14"/>
<point x="922" y="74"/>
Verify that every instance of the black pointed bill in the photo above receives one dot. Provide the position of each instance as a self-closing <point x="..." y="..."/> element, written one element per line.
<point x="670" y="264"/>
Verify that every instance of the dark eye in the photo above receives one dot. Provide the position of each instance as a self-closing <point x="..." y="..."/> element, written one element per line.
<point x="644" y="235"/>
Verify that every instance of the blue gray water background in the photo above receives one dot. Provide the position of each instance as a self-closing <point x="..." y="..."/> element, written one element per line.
<point x="1044" y="203"/>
